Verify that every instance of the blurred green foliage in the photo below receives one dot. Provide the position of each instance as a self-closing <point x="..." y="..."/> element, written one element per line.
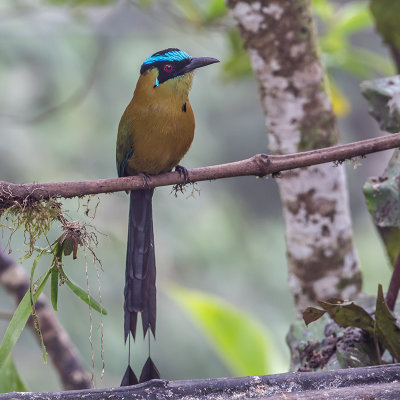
<point x="386" y="15"/>
<point x="10" y="380"/>
<point x="243" y="343"/>
<point x="58" y="276"/>
<point x="18" y="322"/>
<point x="339" y="53"/>
<point x="339" y="23"/>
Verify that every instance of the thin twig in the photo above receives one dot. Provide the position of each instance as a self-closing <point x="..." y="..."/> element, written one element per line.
<point x="258" y="165"/>
<point x="101" y="319"/>
<point x="90" y="316"/>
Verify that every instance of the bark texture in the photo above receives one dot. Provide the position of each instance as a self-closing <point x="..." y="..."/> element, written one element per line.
<point x="380" y="382"/>
<point x="280" y="38"/>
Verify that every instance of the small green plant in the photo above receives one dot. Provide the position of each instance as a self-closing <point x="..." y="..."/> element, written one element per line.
<point x="380" y="329"/>
<point x="36" y="218"/>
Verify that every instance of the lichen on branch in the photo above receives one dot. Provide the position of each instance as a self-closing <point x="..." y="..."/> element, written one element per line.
<point x="35" y="217"/>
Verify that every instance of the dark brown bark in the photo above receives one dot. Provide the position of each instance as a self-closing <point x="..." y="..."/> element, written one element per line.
<point x="258" y="165"/>
<point x="61" y="350"/>
<point x="380" y="382"/>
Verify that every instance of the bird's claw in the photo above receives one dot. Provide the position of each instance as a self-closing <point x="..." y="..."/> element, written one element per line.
<point x="183" y="172"/>
<point x="146" y="179"/>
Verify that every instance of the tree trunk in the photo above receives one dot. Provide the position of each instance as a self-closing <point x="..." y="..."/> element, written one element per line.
<point x="281" y="40"/>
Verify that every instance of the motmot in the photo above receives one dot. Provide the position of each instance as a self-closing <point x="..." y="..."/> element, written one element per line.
<point x="155" y="132"/>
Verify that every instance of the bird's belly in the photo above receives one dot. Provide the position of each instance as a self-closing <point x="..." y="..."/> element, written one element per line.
<point x="161" y="147"/>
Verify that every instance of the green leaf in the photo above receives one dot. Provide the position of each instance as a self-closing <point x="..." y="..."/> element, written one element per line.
<point x="33" y="301"/>
<point x="10" y="380"/>
<point x="34" y="265"/>
<point x="54" y="287"/>
<point x="359" y="62"/>
<point x="19" y="320"/>
<point x="388" y="330"/>
<point x="391" y="240"/>
<point x="58" y="250"/>
<point x="371" y="61"/>
<point x="83" y="295"/>
<point x="311" y="314"/>
<point x="349" y="314"/>
<point x="324" y="345"/>
<point x="241" y="342"/>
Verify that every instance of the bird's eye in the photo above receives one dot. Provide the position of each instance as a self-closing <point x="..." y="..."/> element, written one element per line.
<point x="168" y="68"/>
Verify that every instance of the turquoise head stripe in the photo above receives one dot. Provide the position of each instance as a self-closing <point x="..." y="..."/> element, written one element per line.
<point x="170" y="56"/>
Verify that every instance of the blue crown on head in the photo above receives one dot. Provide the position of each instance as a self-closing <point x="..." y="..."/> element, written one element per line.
<point x="172" y="63"/>
<point x="170" y="54"/>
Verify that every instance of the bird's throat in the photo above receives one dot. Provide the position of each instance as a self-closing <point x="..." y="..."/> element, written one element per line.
<point x="173" y="90"/>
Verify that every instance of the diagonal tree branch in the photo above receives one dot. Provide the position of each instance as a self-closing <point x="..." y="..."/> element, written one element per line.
<point x="258" y="165"/>
<point x="61" y="350"/>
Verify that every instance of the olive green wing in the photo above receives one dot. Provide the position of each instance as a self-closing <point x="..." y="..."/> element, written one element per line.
<point x="124" y="149"/>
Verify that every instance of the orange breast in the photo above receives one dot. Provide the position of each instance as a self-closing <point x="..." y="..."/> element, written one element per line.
<point x="161" y="140"/>
<point x="161" y="131"/>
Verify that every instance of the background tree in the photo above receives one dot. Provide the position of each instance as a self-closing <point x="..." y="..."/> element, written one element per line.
<point x="285" y="57"/>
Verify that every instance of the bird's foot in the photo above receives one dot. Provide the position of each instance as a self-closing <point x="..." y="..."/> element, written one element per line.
<point x="146" y="179"/>
<point x="183" y="172"/>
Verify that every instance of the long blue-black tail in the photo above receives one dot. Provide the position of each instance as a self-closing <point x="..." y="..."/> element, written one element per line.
<point x="140" y="278"/>
<point x="140" y="273"/>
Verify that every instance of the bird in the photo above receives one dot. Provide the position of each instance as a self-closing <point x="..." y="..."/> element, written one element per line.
<point x="154" y="133"/>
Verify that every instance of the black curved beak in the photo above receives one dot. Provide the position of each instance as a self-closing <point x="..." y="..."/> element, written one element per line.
<point x="197" y="62"/>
